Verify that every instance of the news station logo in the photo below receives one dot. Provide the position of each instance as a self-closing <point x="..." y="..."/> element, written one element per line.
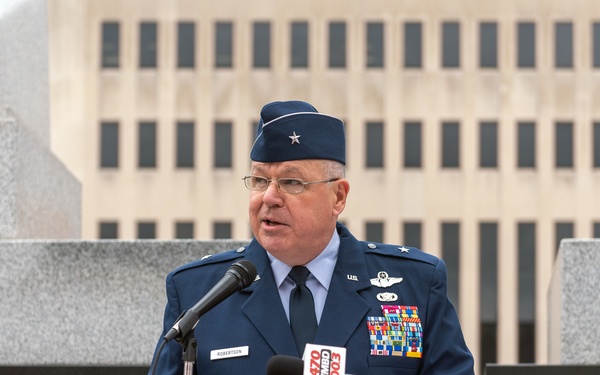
<point x="324" y="360"/>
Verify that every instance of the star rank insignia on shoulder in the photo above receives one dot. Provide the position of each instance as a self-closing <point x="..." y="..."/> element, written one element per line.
<point x="383" y="280"/>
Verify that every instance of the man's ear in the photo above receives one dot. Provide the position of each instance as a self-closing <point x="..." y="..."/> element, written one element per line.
<point x="341" y="190"/>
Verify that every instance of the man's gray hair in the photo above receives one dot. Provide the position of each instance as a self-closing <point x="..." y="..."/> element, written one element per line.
<point x="334" y="169"/>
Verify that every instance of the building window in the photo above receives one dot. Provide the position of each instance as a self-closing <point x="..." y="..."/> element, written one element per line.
<point x="223" y="144"/>
<point x="488" y="45"/>
<point x="146" y="230"/>
<point x="224" y="45"/>
<point x="261" y="45"/>
<point x="596" y="45"/>
<point x="148" y="44"/>
<point x="253" y="132"/>
<point x="526" y="287"/>
<point x="451" y="255"/>
<point x="185" y="144"/>
<point x="222" y="230"/>
<point x="488" y="294"/>
<point x="526" y="144"/>
<point x="413" y="48"/>
<point x="563" y="45"/>
<point x="337" y="45"/>
<point x="147" y="145"/>
<point x="412" y="234"/>
<point x="450" y="45"/>
<point x="450" y="145"/>
<point x="596" y="230"/>
<point x="562" y="230"/>
<point x="526" y="45"/>
<point x="488" y="144"/>
<point x="374" y="155"/>
<point x="186" y="44"/>
<point x="596" y="145"/>
<point x="563" y="145"/>
<point x="299" y="43"/>
<point x="412" y="144"/>
<point x="375" y="45"/>
<point x="108" y="230"/>
<point x="184" y="230"/>
<point x="109" y="145"/>
<point x="374" y="231"/>
<point x="110" y="44"/>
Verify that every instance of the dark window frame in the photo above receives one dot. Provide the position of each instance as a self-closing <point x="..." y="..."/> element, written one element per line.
<point x="224" y="44"/>
<point x="375" y="45"/>
<point x="526" y="45"/>
<point x="337" y="45"/>
<point x="186" y="44"/>
<point x="261" y="45"/>
<point x="563" y="45"/>
<point x="488" y="144"/>
<point x="185" y="144"/>
<point x="110" y="49"/>
<point x="413" y="45"/>
<point x="450" y="150"/>
<point x="488" y="45"/>
<point x="375" y="143"/>
<point x="564" y="144"/>
<point x="299" y="42"/>
<point x="526" y="144"/>
<point x="451" y="46"/>
<point x="147" y="144"/>
<point x="413" y="144"/>
<point x="223" y="144"/>
<point x="109" y="144"/>
<point x="148" y="45"/>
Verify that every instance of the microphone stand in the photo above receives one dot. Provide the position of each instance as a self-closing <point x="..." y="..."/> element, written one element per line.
<point x="185" y="328"/>
<point x="189" y="353"/>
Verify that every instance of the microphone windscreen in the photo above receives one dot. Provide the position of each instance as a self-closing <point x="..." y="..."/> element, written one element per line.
<point x="244" y="272"/>
<point x="285" y="365"/>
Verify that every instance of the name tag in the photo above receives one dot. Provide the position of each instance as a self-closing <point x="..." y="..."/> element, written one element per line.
<point x="240" y="351"/>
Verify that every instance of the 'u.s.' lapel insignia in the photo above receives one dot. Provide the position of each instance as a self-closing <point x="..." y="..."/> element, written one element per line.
<point x="384" y="281"/>
<point x="387" y="297"/>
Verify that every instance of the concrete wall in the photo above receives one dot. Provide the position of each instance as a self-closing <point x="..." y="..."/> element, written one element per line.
<point x="574" y="304"/>
<point x="88" y="302"/>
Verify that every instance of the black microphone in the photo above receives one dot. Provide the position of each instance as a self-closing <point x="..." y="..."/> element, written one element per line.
<point x="239" y="276"/>
<point x="285" y="365"/>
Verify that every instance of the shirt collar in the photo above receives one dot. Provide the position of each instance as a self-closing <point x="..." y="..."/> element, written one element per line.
<point x="321" y="267"/>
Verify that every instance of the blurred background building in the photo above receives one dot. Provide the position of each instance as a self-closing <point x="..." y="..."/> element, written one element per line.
<point x="473" y="129"/>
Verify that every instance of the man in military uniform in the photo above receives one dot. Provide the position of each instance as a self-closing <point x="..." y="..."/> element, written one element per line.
<point x="386" y="304"/>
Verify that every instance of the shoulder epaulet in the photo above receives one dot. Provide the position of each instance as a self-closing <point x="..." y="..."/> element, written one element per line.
<point x="406" y="252"/>
<point x="226" y="256"/>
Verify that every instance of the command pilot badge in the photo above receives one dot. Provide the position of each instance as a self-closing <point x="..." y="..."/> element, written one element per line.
<point x="384" y="281"/>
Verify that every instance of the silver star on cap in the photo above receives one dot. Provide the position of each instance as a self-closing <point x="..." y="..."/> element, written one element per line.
<point x="294" y="138"/>
<point x="403" y="249"/>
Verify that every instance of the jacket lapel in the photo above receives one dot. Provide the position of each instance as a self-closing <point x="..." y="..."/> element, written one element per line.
<point x="344" y="308"/>
<point x="264" y="308"/>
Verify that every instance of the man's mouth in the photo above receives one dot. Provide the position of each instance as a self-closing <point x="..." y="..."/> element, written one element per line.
<point x="271" y="222"/>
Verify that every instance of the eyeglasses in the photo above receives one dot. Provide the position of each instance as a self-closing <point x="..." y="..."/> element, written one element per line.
<point x="286" y="185"/>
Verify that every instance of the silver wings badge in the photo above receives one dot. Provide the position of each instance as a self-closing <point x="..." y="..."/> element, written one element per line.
<point x="384" y="281"/>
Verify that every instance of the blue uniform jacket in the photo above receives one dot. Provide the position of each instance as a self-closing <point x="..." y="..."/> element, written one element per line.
<point x="255" y="318"/>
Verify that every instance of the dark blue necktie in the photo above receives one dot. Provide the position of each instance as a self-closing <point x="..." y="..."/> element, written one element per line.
<point x="302" y="309"/>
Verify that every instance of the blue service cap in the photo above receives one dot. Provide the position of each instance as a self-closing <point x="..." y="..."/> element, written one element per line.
<point x="295" y="130"/>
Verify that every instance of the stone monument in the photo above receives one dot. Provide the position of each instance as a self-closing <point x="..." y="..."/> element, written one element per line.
<point x="574" y="304"/>
<point x="40" y="197"/>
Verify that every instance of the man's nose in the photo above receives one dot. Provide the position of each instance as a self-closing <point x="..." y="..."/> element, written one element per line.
<point x="272" y="192"/>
